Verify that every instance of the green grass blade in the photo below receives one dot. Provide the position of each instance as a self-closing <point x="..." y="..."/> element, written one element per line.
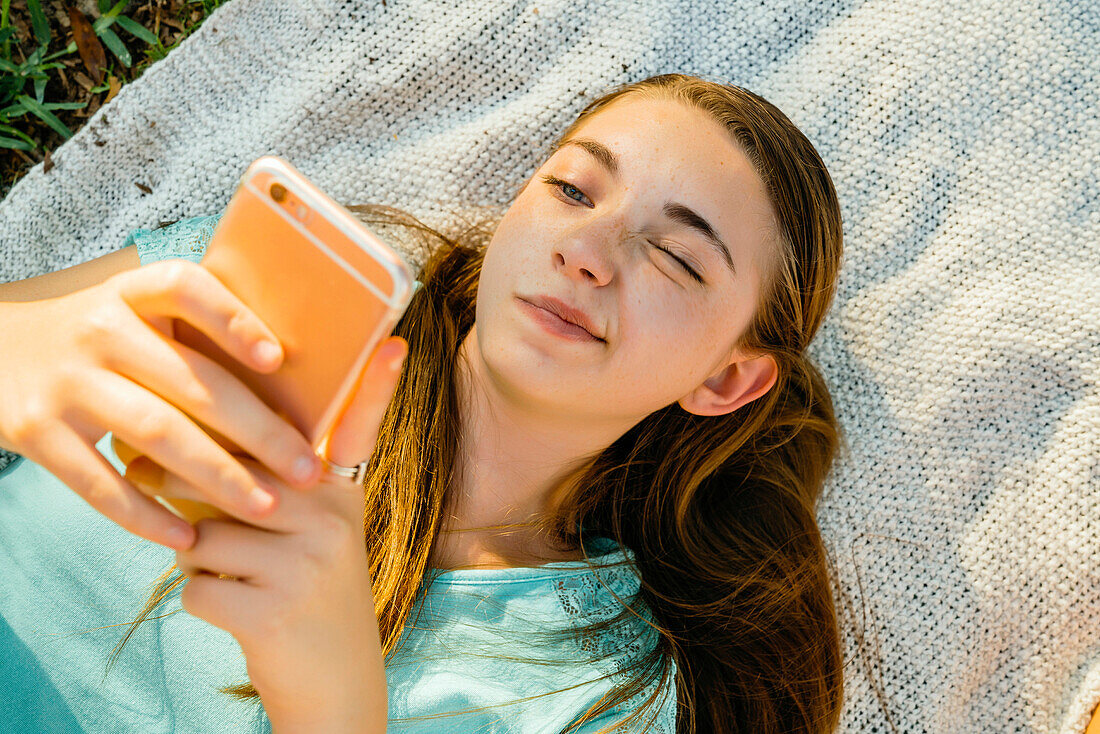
<point x="113" y="42"/>
<point x="45" y="115"/>
<point x="138" y="30"/>
<point x="38" y="20"/>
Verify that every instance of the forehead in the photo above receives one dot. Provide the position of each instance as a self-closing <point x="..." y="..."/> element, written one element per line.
<point x="668" y="150"/>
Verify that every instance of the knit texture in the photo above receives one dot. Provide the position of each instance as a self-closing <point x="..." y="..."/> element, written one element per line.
<point x="963" y="348"/>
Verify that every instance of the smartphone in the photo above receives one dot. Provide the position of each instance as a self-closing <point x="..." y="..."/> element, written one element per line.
<point x="328" y="287"/>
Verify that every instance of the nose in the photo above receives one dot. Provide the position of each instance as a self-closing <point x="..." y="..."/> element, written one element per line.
<point x="589" y="250"/>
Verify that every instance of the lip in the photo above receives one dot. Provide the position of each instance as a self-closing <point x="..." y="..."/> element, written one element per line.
<point x="563" y="311"/>
<point x="557" y="325"/>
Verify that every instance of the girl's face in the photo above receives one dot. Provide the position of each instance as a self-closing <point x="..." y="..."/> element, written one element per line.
<point x="588" y="228"/>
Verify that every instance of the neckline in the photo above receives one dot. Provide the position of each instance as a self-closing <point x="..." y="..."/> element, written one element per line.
<point x="601" y="551"/>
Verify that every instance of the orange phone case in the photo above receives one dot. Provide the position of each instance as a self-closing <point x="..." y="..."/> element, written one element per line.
<point x="329" y="288"/>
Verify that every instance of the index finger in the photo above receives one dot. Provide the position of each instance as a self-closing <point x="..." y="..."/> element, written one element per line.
<point x="186" y="290"/>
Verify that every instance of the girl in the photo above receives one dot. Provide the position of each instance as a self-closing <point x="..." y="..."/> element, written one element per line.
<point x="571" y="526"/>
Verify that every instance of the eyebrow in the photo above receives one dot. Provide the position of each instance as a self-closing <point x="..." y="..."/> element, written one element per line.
<point x="674" y="210"/>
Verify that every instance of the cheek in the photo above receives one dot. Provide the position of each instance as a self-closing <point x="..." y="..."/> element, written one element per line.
<point x="512" y="244"/>
<point x="659" y="326"/>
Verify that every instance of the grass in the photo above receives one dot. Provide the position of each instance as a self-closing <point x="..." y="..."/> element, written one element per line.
<point x="60" y="62"/>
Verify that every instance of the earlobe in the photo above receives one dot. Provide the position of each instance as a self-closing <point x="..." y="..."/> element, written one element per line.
<point x="738" y="384"/>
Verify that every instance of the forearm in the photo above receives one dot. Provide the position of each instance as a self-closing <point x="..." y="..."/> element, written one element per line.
<point x="70" y="279"/>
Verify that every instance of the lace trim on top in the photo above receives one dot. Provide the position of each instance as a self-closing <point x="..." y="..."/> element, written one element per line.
<point x="184" y="238"/>
<point x="585" y="599"/>
<point x="585" y="596"/>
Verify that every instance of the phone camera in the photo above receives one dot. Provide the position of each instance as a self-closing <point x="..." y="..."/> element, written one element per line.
<point x="278" y="192"/>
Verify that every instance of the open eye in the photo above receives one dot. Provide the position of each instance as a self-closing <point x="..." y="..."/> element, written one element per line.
<point x="562" y="186"/>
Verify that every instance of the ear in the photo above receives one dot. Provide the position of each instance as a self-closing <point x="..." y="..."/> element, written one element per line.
<point x="733" y="386"/>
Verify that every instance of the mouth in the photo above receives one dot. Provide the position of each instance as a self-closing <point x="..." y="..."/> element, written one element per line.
<point x="564" y="311"/>
<point x="557" y="325"/>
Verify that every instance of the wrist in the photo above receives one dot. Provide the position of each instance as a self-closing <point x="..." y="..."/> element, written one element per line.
<point x="327" y="722"/>
<point x="363" y="712"/>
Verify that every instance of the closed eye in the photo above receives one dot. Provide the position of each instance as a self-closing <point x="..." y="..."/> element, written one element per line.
<point x="561" y="186"/>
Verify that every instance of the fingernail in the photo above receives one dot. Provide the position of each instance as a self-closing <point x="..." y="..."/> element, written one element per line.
<point x="180" y="536"/>
<point x="260" y="501"/>
<point x="266" y="352"/>
<point x="303" y="468"/>
<point x="396" y="361"/>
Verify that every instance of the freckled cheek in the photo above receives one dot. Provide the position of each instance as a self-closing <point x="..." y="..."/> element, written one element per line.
<point x="657" y="335"/>
<point x="533" y="216"/>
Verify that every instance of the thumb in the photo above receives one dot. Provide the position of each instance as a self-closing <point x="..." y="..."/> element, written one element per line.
<point x="355" y="434"/>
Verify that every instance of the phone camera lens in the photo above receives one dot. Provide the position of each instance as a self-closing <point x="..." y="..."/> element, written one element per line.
<point x="278" y="192"/>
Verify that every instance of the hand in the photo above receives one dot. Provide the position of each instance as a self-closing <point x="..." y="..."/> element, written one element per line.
<point x="103" y="359"/>
<point x="298" y="598"/>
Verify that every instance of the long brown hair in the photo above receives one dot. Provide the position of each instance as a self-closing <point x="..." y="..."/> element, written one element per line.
<point x="722" y="508"/>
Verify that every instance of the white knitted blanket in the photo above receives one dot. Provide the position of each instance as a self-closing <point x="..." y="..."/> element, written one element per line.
<point x="964" y="347"/>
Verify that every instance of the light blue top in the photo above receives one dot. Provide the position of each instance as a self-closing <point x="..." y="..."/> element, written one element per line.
<point x="71" y="580"/>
